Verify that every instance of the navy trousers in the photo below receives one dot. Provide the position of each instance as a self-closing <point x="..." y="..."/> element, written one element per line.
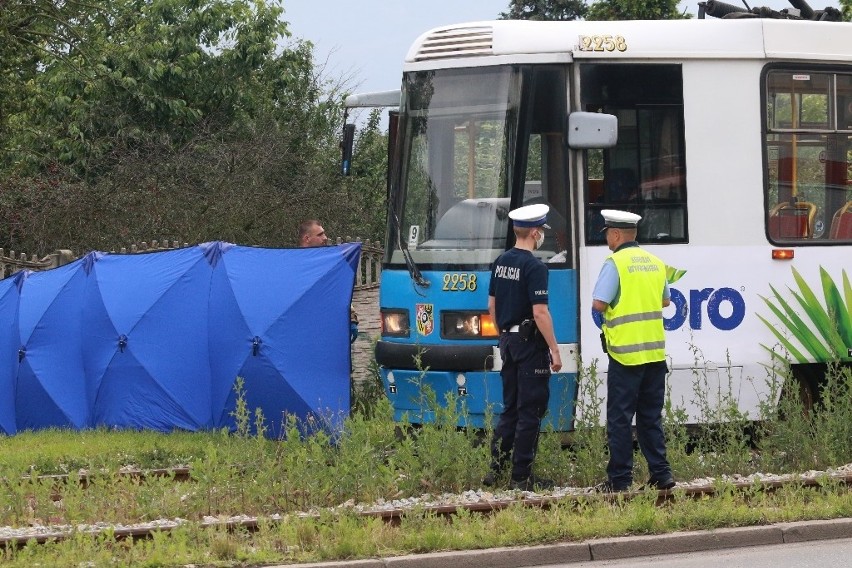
<point x="526" y="392"/>
<point x="635" y="390"/>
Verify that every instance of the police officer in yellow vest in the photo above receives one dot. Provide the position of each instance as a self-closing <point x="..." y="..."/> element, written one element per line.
<point x="630" y="293"/>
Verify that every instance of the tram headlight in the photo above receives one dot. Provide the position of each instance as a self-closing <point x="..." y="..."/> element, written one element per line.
<point x="395" y="323"/>
<point x="467" y="325"/>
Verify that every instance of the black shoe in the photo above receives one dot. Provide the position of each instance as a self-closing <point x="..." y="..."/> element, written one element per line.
<point x="532" y="483"/>
<point x="660" y="484"/>
<point x="609" y="487"/>
<point x="490" y="479"/>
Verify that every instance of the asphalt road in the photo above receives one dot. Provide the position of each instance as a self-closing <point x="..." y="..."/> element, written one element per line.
<point x="820" y="544"/>
<point x="814" y="554"/>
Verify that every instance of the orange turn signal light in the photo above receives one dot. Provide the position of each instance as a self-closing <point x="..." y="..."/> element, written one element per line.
<point x="782" y="254"/>
<point x="488" y="327"/>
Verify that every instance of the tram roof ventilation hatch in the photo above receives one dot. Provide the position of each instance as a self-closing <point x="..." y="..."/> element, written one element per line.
<point x="463" y="41"/>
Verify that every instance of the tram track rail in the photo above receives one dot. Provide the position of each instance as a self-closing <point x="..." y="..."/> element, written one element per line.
<point x="489" y="503"/>
<point x="84" y="478"/>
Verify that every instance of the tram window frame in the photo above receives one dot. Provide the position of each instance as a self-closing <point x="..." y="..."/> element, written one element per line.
<point x="645" y="173"/>
<point x="807" y="143"/>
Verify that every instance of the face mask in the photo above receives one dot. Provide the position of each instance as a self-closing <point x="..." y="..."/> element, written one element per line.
<point x="539" y="240"/>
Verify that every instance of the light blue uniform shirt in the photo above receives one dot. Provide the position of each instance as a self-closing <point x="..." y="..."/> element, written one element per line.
<point x="607" y="286"/>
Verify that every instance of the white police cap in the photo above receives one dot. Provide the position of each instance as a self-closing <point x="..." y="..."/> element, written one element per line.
<point x="620" y="219"/>
<point x="530" y="216"/>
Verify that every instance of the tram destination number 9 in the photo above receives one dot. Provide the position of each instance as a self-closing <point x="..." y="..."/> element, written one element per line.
<point x="459" y="282"/>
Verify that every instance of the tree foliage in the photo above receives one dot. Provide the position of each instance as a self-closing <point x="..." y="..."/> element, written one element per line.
<point x="174" y="119"/>
<point x="135" y="71"/>
<point x="603" y="10"/>
<point x="561" y="10"/>
<point x="607" y="10"/>
<point x="29" y="31"/>
<point x="549" y="10"/>
<point x="367" y="184"/>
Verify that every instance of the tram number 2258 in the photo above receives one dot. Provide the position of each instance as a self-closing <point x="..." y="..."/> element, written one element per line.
<point x="459" y="282"/>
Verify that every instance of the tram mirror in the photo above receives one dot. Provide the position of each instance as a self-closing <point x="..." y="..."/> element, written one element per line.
<point x="592" y="130"/>
<point x="346" y="147"/>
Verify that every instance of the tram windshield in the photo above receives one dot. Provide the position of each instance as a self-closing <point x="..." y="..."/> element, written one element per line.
<point x="451" y="200"/>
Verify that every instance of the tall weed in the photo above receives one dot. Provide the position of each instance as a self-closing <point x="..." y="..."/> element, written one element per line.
<point x="797" y="438"/>
<point x="441" y="456"/>
<point x="362" y="461"/>
<point x="723" y="441"/>
<point x="588" y="445"/>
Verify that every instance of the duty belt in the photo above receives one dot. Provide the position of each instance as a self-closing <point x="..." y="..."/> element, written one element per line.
<point x="513" y="329"/>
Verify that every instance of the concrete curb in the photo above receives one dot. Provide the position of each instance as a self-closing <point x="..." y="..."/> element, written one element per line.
<point x="610" y="548"/>
<point x="675" y="543"/>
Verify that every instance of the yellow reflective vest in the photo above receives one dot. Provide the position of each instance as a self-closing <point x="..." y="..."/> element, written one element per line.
<point x="634" y="326"/>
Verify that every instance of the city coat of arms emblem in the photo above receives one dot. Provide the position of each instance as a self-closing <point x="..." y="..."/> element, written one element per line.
<point x="425" y="318"/>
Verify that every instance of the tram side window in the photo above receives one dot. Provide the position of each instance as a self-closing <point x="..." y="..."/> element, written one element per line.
<point x="645" y="172"/>
<point x="808" y="138"/>
<point x="546" y="162"/>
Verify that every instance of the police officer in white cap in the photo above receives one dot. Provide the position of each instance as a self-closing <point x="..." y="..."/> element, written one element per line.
<point x="630" y="293"/>
<point x="517" y="301"/>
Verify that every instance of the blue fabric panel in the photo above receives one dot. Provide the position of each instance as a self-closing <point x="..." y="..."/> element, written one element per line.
<point x="130" y="397"/>
<point x="9" y="294"/>
<point x="280" y="320"/>
<point x="157" y="340"/>
<point x="231" y="340"/>
<point x="266" y="390"/>
<point x="51" y="384"/>
<point x="145" y="340"/>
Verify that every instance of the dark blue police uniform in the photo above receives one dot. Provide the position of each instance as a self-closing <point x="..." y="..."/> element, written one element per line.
<point x="519" y="280"/>
<point x="640" y="391"/>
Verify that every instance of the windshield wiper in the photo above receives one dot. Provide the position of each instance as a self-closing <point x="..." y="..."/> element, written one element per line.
<point x="413" y="271"/>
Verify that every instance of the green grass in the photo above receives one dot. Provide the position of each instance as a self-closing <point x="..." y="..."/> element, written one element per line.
<point x="375" y="459"/>
<point x="55" y="451"/>
<point x="346" y="536"/>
